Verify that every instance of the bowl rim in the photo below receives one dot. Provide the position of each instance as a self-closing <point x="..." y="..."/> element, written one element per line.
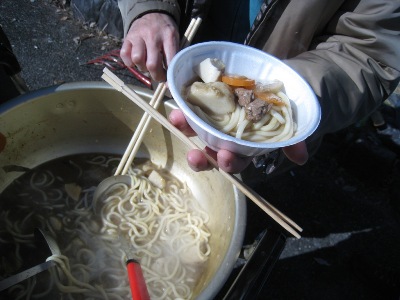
<point x="191" y="116"/>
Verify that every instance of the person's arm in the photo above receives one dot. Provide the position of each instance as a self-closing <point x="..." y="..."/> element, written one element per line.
<point x="355" y="64"/>
<point x="352" y="67"/>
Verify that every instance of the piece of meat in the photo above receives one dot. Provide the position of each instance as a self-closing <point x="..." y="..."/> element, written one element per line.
<point x="245" y="96"/>
<point x="256" y="109"/>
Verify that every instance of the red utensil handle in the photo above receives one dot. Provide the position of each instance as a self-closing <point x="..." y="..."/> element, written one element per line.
<point x="136" y="281"/>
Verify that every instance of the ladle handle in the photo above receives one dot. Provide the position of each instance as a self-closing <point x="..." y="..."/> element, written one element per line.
<point x="136" y="281"/>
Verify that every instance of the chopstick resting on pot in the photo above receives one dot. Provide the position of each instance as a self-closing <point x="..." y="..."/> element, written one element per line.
<point x="155" y="101"/>
<point x="273" y="212"/>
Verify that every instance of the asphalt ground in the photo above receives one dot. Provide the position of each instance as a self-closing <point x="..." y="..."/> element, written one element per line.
<point x="346" y="198"/>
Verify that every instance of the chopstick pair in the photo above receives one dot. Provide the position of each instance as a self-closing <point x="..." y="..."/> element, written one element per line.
<point x="140" y="131"/>
<point x="155" y="101"/>
<point x="273" y="212"/>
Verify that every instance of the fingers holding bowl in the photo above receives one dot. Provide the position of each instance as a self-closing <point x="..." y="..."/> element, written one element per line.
<point x="177" y="118"/>
<point x="227" y="161"/>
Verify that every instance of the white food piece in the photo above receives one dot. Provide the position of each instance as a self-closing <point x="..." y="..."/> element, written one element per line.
<point x="73" y="190"/>
<point x="273" y="86"/>
<point x="156" y="179"/>
<point x="210" y="69"/>
<point x="214" y="97"/>
<point x="55" y="223"/>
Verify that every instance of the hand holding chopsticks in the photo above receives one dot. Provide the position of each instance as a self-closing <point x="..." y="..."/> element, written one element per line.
<point x="274" y="213"/>
<point x="155" y="101"/>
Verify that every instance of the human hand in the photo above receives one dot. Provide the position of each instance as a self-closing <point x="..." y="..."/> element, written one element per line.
<point x="228" y="161"/>
<point x="151" y="43"/>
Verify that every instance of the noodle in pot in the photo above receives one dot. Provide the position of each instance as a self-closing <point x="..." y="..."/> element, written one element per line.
<point x="164" y="227"/>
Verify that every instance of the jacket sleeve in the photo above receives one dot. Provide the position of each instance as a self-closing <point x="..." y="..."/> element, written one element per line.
<point x="133" y="9"/>
<point x="354" y="65"/>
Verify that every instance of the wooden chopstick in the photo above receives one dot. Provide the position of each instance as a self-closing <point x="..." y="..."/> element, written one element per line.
<point x="190" y="32"/>
<point x="273" y="212"/>
<point x="155" y="101"/>
<point x="140" y="130"/>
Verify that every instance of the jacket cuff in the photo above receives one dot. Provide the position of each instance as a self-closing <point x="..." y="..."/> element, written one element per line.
<point x="141" y="8"/>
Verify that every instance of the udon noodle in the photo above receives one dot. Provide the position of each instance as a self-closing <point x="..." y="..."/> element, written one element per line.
<point x="162" y="227"/>
<point x="240" y="106"/>
<point x="276" y="125"/>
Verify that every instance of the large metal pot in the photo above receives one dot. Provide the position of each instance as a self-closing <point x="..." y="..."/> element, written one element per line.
<point x="91" y="117"/>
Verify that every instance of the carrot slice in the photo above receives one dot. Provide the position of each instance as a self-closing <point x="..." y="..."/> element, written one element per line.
<point x="269" y="97"/>
<point x="238" y="81"/>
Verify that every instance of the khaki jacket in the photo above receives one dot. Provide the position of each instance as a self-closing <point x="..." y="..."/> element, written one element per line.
<point x="347" y="50"/>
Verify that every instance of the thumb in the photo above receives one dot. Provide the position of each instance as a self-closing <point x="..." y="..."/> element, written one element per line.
<point x="297" y="153"/>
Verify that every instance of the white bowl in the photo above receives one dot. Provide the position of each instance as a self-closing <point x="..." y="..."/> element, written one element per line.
<point x="255" y="64"/>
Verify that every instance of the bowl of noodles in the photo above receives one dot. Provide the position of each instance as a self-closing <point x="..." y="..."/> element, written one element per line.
<point x="241" y="99"/>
